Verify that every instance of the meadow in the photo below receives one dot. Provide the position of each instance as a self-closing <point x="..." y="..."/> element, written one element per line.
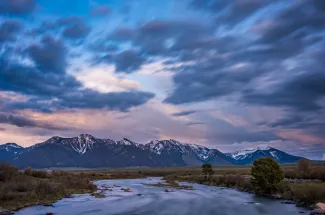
<point x="22" y="188"/>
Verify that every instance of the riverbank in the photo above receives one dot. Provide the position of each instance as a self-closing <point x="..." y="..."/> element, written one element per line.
<point x="134" y="196"/>
<point x="19" y="189"/>
<point x="302" y="193"/>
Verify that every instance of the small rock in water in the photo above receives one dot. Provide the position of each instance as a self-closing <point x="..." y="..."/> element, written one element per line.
<point x="139" y="194"/>
<point x="49" y="213"/>
<point x="126" y="190"/>
<point x="168" y="191"/>
<point x="67" y="196"/>
<point x="48" y="205"/>
<point x="317" y="212"/>
<point x="288" y="202"/>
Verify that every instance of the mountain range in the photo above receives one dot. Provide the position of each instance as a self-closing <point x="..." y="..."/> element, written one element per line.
<point x="89" y="152"/>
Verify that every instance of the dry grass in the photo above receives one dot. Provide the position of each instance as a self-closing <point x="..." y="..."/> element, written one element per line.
<point x="20" y="189"/>
<point x="307" y="194"/>
<point x="170" y="183"/>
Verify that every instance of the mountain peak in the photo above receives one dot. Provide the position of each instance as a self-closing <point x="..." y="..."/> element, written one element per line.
<point x="249" y="155"/>
<point x="13" y="145"/>
<point x="126" y="141"/>
<point x="86" y="136"/>
<point x="264" y="148"/>
<point x="96" y="152"/>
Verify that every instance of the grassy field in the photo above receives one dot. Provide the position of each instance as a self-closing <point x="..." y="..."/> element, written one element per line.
<point x="19" y="189"/>
<point x="164" y="171"/>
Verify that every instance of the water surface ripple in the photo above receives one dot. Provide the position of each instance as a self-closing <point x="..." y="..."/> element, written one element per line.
<point x="150" y="200"/>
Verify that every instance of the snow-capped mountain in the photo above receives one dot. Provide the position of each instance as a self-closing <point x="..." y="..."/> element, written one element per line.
<point x="91" y="152"/>
<point x="190" y="154"/>
<point x="248" y="156"/>
<point x="9" y="150"/>
<point x="88" y="151"/>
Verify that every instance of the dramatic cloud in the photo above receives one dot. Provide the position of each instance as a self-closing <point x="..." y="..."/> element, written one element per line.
<point x="300" y="19"/>
<point x="252" y="69"/>
<point x="49" y="56"/>
<point x="302" y="92"/>
<point x="72" y="27"/>
<point x="128" y="61"/>
<point x="21" y="121"/>
<point x="184" y="113"/>
<point x="75" y="31"/>
<point x="9" y="30"/>
<point x="210" y="79"/>
<point x="53" y="88"/>
<point x="17" y="7"/>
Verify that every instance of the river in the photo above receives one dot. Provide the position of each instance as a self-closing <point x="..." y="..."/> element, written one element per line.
<point x="150" y="200"/>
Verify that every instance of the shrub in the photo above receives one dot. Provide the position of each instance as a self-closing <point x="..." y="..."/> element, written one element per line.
<point x="304" y="166"/>
<point x="18" y="189"/>
<point x="37" y="173"/>
<point x="7" y="172"/>
<point x="312" y="173"/>
<point x="207" y="169"/>
<point x="307" y="194"/>
<point x="45" y="188"/>
<point x="267" y="176"/>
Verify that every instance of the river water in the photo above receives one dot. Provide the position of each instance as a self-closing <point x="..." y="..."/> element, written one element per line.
<point x="150" y="200"/>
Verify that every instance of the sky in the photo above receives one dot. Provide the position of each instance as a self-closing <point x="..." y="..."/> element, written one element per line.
<point x="227" y="74"/>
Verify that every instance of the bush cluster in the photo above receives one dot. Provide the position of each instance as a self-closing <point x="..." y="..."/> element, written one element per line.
<point x="308" y="194"/>
<point x="22" y="188"/>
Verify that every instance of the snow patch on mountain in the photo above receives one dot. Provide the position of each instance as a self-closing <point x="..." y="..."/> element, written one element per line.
<point x="10" y="147"/>
<point x="243" y="154"/>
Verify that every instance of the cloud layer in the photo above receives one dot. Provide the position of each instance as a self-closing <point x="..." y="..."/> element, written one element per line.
<point x="227" y="74"/>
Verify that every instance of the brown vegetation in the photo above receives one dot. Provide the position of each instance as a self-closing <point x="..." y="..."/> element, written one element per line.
<point x="22" y="188"/>
<point x="171" y="183"/>
<point x="19" y="189"/>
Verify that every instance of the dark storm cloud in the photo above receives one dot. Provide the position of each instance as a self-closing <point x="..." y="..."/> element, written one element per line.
<point x="71" y="27"/>
<point x="64" y="89"/>
<point x="301" y="92"/>
<point x="74" y="27"/>
<point x="184" y="113"/>
<point x="31" y="81"/>
<point x="92" y="99"/>
<point x="9" y="30"/>
<point x="128" y="61"/>
<point x="51" y="88"/>
<point x="49" y="56"/>
<point x="21" y="121"/>
<point x="301" y="18"/>
<point x="159" y="38"/>
<point x="75" y="31"/>
<point x="123" y="34"/>
<point x="17" y="7"/>
<point x="210" y="79"/>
